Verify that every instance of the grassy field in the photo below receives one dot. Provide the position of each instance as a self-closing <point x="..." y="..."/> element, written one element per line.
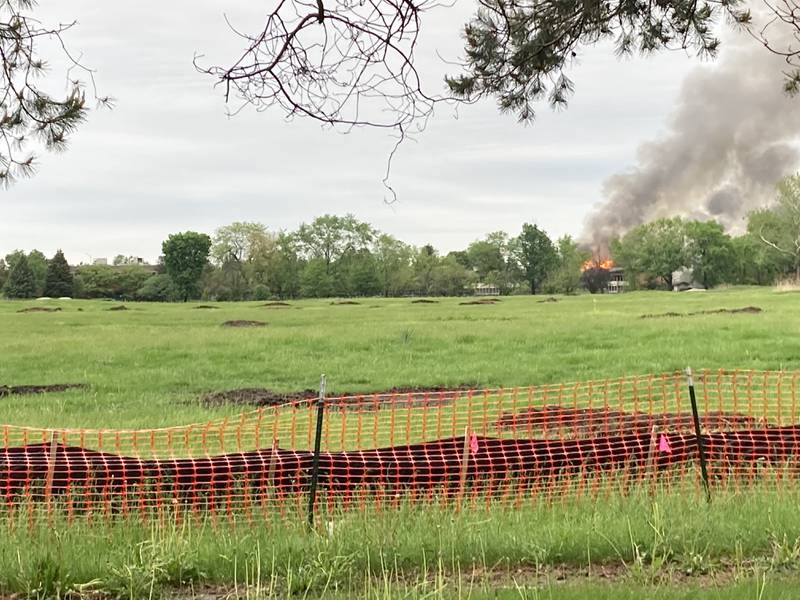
<point x="147" y="366"/>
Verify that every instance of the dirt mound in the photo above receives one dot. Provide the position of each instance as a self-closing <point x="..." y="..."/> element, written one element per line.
<point x="424" y="301"/>
<point x="118" y="308"/>
<point x="243" y="323"/>
<point x="276" y="305"/>
<point x="255" y="397"/>
<point x="364" y="401"/>
<point x="345" y="303"/>
<point x="19" y="390"/>
<point x="550" y="299"/>
<point x="34" y="309"/>
<point x="750" y="310"/>
<point x="206" y="307"/>
<point x="479" y="302"/>
<point x="590" y="422"/>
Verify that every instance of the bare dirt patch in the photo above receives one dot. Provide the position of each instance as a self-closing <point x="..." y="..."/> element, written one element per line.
<point x="244" y="323"/>
<point x="424" y="301"/>
<point x="276" y="305"/>
<point x="750" y="310"/>
<point x="482" y="301"/>
<point x="398" y="396"/>
<point x="35" y="309"/>
<point x="119" y="308"/>
<point x="590" y="422"/>
<point x="550" y="299"/>
<point x="345" y="303"/>
<point x="205" y="307"/>
<point x="20" y="390"/>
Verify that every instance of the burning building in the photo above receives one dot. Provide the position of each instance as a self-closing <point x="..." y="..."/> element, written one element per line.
<point x="603" y="276"/>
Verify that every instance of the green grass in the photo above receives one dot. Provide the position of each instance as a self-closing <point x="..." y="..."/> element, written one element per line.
<point x="636" y="542"/>
<point x="146" y="367"/>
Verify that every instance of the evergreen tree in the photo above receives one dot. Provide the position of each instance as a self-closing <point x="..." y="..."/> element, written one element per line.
<point x="21" y="281"/>
<point x="59" y="280"/>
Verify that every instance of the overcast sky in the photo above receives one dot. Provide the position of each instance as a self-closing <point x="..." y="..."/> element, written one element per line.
<point x="168" y="159"/>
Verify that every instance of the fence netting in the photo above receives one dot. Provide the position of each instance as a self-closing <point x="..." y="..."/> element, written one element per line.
<point x="464" y="447"/>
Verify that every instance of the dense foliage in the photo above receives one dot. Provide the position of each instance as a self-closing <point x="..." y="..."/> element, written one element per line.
<point x="185" y="256"/>
<point x="21" y="282"/>
<point x="341" y="256"/>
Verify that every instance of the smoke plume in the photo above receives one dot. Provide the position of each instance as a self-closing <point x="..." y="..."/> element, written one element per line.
<point x="731" y="137"/>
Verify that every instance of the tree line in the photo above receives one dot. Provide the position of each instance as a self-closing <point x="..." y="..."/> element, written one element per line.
<point x="342" y="256"/>
<point x="769" y="250"/>
<point x="330" y="256"/>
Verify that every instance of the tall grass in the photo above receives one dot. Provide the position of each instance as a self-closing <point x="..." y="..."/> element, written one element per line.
<point x="644" y="541"/>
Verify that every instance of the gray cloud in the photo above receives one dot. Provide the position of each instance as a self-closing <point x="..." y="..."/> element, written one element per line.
<point x="730" y="138"/>
<point x="168" y="159"/>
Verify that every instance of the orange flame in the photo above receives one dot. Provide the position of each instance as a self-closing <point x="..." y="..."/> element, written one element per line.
<point x="594" y="263"/>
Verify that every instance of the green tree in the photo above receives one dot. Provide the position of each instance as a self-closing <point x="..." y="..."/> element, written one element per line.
<point x="329" y="237"/>
<point x="708" y="252"/>
<point x="185" y="255"/>
<point x="652" y="251"/>
<point x="778" y="227"/>
<point x="490" y="258"/>
<point x="462" y="256"/>
<point x="244" y="252"/>
<point x="316" y="281"/>
<point x="59" y="280"/>
<point x="566" y="278"/>
<point x="3" y="273"/>
<point x="285" y="267"/>
<point x="129" y="279"/>
<point x="535" y="255"/>
<point x="157" y="288"/>
<point x="755" y="263"/>
<point x="96" y="281"/>
<point x="393" y="265"/>
<point x="37" y="262"/>
<point x="595" y="279"/>
<point x="357" y="274"/>
<point x="424" y="262"/>
<point x="21" y="282"/>
<point x="104" y="281"/>
<point x="486" y="257"/>
<point x="450" y="278"/>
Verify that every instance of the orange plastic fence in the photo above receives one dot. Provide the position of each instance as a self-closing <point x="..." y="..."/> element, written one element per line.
<point x="465" y="447"/>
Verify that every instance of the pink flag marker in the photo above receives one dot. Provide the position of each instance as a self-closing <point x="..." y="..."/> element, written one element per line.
<point x="473" y="443"/>
<point x="663" y="444"/>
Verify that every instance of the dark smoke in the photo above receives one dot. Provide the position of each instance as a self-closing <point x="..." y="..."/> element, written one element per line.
<point x="730" y="139"/>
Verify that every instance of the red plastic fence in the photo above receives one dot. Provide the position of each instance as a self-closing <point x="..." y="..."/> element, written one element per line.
<point x="506" y="446"/>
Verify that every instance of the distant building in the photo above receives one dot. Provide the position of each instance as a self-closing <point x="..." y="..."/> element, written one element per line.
<point x="616" y="280"/>
<point x="100" y="261"/>
<point x="485" y="289"/>
<point x="683" y="281"/>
